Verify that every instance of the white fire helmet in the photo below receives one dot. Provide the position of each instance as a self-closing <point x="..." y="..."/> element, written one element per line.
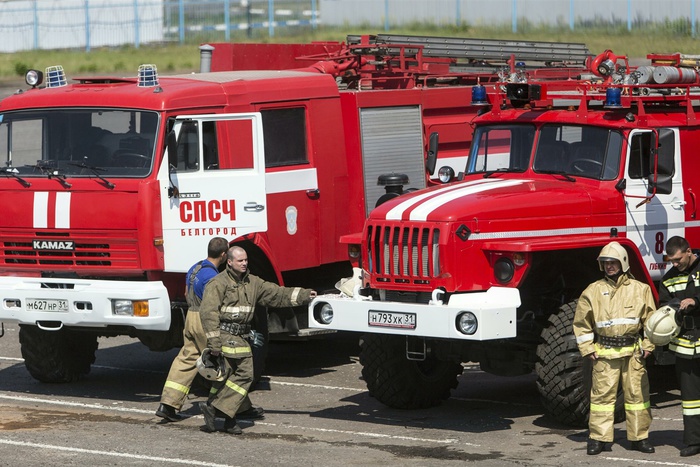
<point x="212" y="368"/>
<point x="661" y="326"/>
<point x="347" y="285"/>
<point x="614" y="250"/>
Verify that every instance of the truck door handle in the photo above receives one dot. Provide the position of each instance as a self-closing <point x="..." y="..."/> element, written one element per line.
<point x="678" y="204"/>
<point x="252" y="206"/>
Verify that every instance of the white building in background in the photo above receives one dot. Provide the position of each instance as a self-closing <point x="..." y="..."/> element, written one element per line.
<point x="61" y="24"/>
<point x="376" y="13"/>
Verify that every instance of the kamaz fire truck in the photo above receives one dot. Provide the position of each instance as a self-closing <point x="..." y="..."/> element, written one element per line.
<point x="488" y="267"/>
<point x="112" y="187"/>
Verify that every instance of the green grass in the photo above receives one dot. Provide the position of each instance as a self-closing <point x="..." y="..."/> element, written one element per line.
<point x="175" y="58"/>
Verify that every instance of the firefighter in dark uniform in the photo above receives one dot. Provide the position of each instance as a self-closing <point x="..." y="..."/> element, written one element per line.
<point x="682" y="284"/>
<point x="183" y="370"/>
<point x="226" y="311"/>
<point x="610" y="315"/>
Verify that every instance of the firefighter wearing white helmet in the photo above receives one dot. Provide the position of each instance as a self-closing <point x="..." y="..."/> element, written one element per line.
<point x="681" y="284"/>
<point x="609" y="318"/>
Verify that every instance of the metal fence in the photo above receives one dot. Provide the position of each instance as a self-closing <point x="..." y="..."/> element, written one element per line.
<point x="54" y="24"/>
<point x="680" y="16"/>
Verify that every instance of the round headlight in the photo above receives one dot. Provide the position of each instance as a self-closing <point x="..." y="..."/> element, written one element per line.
<point x="354" y="251"/>
<point x="33" y="77"/>
<point x="323" y="313"/>
<point x="446" y="174"/>
<point x="467" y="323"/>
<point x="504" y="270"/>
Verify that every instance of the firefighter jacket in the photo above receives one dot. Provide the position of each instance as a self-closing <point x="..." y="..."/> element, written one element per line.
<point x="613" y="309"/>
<point x="228" y="307"/>
<point x="680" y="285"/>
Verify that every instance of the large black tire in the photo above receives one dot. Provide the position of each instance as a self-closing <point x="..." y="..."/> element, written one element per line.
<point x="57" y="356"/>
<point x="401" y="383"/>
<point x="563" y="376"/>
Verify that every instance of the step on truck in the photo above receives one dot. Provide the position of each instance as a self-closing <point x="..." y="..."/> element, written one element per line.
<point x="111" y="187"/>
<point x="488" y="267"/>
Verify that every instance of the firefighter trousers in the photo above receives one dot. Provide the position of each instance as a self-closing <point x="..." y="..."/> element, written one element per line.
<point x="635" y="386"/>
<point x="231" y="396"/>
<point x="184" y="368"/>
<point x="688" y="372"/>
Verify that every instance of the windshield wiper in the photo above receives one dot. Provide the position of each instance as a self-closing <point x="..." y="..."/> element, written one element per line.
<point x="48" y="170"/>
<point x="95" y="171"/>
<point x="12" y="172"/>
<point x="488" y="173"/>
<point x="558" y="172"/>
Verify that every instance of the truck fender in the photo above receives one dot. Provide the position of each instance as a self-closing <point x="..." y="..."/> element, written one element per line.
<point x="259" y="251"/>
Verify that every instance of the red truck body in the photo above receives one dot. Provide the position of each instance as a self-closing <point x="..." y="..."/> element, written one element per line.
<point x="488" y="267"/>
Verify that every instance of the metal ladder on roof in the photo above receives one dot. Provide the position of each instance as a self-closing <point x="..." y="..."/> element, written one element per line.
<point x="484" y="51"/>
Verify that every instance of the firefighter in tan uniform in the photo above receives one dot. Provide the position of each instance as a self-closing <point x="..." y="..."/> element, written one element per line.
<point x="226" y="311"/>
<point x="609" y="318"/>
<point x="183" y="369"/>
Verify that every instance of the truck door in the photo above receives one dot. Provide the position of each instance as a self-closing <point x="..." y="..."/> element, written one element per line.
<point x="650" y="224"/>
<point x="212" y="184"/>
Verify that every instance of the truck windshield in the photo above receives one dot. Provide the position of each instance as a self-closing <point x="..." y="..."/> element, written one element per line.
<point x="497" y="148"/>
<point x="577" y="150"/>
<point x="79" y="142"/>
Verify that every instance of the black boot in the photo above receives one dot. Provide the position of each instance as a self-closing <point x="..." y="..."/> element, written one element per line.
<point x="231" y="427"/>
<point x="209" y="417"/>
<point x="253" y="413"/>
<point x="595" y="447"/>
<point x="643" y="445"/>
<point x="691" y="450"/>
<point x="167" y="412"/>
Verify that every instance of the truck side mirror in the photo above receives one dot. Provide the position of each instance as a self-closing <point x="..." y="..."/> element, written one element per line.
<point x="431" y="160"/>
<point x="662" y="186"/>
<point x="172" y="149"/>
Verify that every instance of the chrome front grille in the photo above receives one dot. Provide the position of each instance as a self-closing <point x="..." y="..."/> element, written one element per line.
<point x="89" y="251"/>
<point x="404" y="251"/>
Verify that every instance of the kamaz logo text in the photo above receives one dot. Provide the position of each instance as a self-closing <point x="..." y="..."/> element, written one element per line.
<point x="208" y="211"/>
<point x="52" y="245"/>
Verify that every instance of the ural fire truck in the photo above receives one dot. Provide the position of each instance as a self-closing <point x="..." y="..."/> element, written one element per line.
<point x="112" y="187"/>
<point x="488" y="267"/>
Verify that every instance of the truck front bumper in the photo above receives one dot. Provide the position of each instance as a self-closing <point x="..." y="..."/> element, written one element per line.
<point x="53" y="303"/>
<point x="493" y="311"/>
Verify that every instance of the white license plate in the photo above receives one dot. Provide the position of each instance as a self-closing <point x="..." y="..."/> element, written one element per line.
<point x="391" y="319"/>
<point x="37" y="304"/>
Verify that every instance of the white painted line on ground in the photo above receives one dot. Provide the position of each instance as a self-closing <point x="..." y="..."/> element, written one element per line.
<point x="667" y="419"/>
<point x="637" y="461"/>
<point x="317" y="386"/>
<point x="281" y="426"/>
<point x="368" y="434"/>
<point x="168" y="460"/>
<point x="74" y="404"/>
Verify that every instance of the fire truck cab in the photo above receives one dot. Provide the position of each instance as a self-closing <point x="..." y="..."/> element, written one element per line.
<point x="488" y="267"/>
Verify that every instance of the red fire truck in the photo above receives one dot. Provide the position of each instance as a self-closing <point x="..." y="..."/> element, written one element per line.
<point x="488" y="267"/>
<point x="112" y="187"/>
